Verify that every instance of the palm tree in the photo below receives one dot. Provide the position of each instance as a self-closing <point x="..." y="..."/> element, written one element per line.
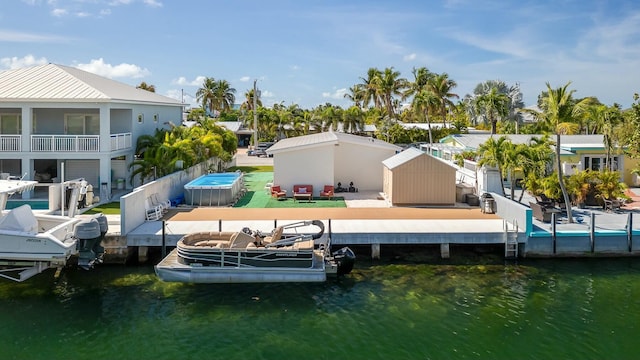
<point x="605" y="119"/>
<point x="356" y="94"/>
<point x="148" y="87"/>
<point x="424" y="102"/>
<point x="390" y="84"/>
<point x="207" y="93"/>
<point x="491" y="153"/>
<point x="533" y="161"/>
<point x="370" y="88"/>
<point x="442" y="86"/>
<point x="332" y="116"/>
<point x="224" y="95"/>
<point x="494" y="106"/>
<point x="560" y="109"/>
<point x="353" y="120"/>
<point x="421" y="77"/>
<point x="248" y="102"/>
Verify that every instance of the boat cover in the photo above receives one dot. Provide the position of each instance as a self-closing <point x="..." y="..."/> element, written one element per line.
<point x="20" y="219"/>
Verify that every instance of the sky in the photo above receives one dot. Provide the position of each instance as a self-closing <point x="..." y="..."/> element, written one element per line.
<point x="310" y="52"/>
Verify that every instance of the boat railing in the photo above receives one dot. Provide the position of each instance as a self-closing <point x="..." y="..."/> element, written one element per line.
<point x="289" y="241"/>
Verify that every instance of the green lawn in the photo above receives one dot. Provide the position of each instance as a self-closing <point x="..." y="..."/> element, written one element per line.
<point x="112" y="208"/>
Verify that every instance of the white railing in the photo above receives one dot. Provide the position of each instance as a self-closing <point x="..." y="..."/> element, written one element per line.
<point x="65" y="143"/>
<point x="120" y="141"/>
<point x="471" y="165"/>
<point x="10" y="142"/>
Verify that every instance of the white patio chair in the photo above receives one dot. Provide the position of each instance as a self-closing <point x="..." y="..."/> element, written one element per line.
<point x="152" y="212"/>
<point x="163" y="204"/>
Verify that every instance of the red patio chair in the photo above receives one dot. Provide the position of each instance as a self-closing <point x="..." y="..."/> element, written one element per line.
<point x="277" y="192"/>
<point x="327" y="192"/>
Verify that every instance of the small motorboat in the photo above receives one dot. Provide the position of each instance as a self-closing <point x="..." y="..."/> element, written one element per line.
<point x="31" y="243"/>
<point x="252" y="256"/>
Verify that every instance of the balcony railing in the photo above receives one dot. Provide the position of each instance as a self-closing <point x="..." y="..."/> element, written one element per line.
<point x="65" y="143"/>
<point x="76" y="143"/>
<point x="120" y="141"/>
<point x="10" y="143"/>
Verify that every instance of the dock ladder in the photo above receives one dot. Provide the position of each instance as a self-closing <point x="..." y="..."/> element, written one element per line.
<point x="510" y="239"/>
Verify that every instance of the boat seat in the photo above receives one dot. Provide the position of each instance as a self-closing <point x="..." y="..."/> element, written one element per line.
<point x="240" y="240"/>
<point x="20" y="219"/>
<point x="304" y="245"/>
<point x="277" y="234"/>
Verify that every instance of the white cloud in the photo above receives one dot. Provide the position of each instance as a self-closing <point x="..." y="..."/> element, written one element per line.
<point x="337" y="94"/>
<point x="99" y="67"/>
<point x="245" y="78"/>
<point x="14" y="36"/>
<point x="153" y="3"/>
<point x="409" y="57"/>
<point x="183" y="81"/>
<point x="59" y="12"/>
<point x="16" y="63"/>
<point x="181" y="95"/>
<point x="119" y="2"/>
<point x="295" y="67"/>
<point x="266" y="94"/>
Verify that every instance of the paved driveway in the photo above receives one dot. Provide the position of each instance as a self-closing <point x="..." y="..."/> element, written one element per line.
<point x="242" y="159"/>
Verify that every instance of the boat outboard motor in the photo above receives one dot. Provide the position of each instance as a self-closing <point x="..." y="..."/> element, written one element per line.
<point x="345" y="258"/>
<point x="104" y="226"/>
<point x="88" y="234"/>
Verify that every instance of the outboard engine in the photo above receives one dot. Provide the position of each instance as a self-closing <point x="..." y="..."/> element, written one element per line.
<point x="104" y="227"/>
<point x="345" y="258"/>
<point x="88" y="234"/>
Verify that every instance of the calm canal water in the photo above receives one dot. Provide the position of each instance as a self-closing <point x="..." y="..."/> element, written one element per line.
<point x="560" y="309"/>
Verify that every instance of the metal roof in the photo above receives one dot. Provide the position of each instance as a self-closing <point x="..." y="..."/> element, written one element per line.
<point x="58" y="83"/>
<point x="327" y="138"/>
<point x="408" y="155"/>
<point x="473" y="141"/>
<point x="402" y="157"/>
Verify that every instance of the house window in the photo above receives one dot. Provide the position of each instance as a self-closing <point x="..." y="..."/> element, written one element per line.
<point x="599" y="163"/>
<point x="140" y="118"/>
<point x="81" y="124"/>
<point x="10" y="124"/>
<point x="156" y="117"/>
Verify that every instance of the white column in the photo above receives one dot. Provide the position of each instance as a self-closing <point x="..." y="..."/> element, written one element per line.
<point x="27" y="117"/>
<point x="105" y="129"/>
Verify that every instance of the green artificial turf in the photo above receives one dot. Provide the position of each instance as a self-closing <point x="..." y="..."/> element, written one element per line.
<point x="112" y="208"/>
<point x="336" y="202"/>
<point x="258" y="197"/>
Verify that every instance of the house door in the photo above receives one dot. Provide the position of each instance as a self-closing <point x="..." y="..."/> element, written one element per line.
<point x="81" y="124"/>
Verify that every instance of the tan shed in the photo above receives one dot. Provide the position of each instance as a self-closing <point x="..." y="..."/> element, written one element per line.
<point x="414" y="177"/>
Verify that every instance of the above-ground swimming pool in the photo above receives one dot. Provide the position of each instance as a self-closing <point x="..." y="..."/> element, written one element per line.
<point x="213" y="189"/>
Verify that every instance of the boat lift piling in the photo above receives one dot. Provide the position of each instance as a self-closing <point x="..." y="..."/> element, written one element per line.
<point x="164" y="238"/>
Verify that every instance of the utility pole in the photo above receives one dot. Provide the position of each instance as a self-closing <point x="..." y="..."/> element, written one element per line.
<point x="255" y="113"/>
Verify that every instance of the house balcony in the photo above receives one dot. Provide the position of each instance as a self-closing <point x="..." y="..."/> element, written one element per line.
<point x="65" y="143"/>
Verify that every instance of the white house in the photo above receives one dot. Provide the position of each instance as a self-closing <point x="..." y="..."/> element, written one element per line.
<point x="55" y="117"/>
<point x="329" y="158"/>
